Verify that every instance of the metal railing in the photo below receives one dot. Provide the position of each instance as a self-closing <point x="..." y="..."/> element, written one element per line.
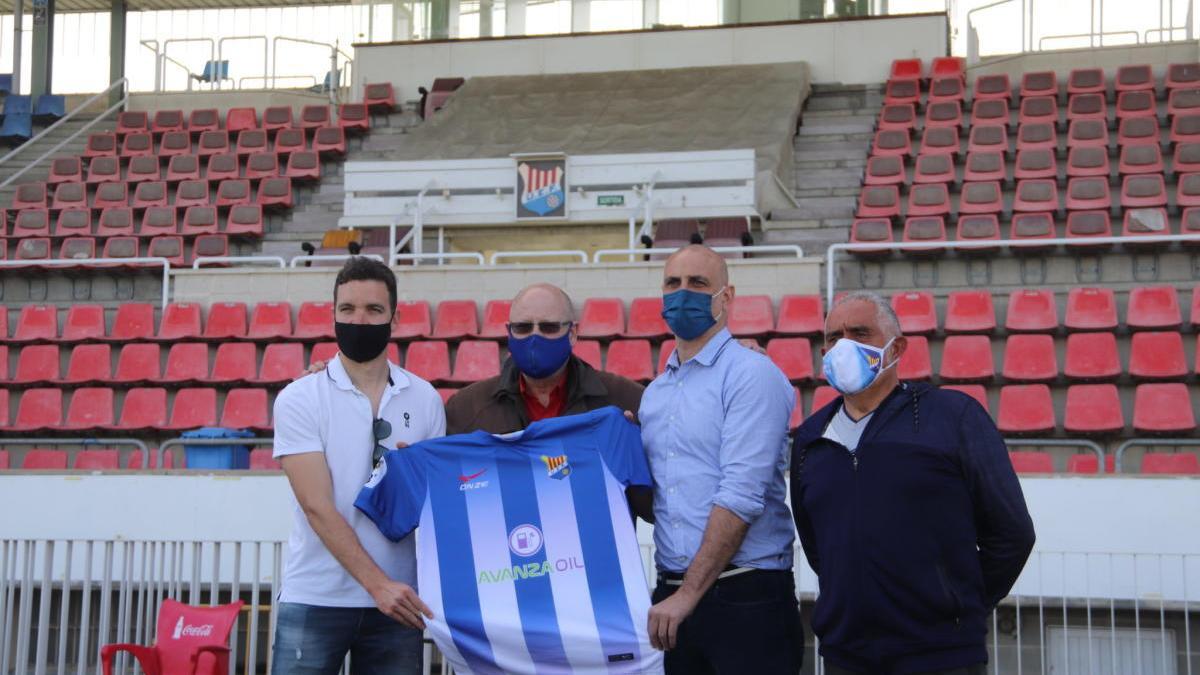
<point x="788" y="249"/>
<point x="212" y="58"/>
<point x="500" y="255"/>
<point x="298" y="260"/>
<point x="90" y="262"/>
<point x="85" y="442"/>
<point x="1119" y="455"/>
<point x="121" y="84"/>
<point x="237" y="259"/>
<point x="1061" y="443"/>
<point x="266" y="51"/>
<point x="340" y="74"/>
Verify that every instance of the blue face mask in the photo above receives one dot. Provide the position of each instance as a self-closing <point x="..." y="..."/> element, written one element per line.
<point x="852" y="366"/>
<point x="540" y="357"/>
<point x="689" y="313"/>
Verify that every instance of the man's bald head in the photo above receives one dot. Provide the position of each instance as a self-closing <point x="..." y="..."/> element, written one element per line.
<point x="541" y="302"/>
<point x="697" y="259"/>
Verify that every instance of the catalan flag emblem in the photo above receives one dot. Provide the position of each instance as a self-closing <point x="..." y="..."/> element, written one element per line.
<point x="557" y="467"/>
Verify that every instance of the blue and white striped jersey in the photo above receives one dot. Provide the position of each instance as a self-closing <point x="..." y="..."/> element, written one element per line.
<point x="526" y="551"/>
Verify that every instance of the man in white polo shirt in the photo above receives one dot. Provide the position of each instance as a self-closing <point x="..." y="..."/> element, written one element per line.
<point x="346" y="587"/>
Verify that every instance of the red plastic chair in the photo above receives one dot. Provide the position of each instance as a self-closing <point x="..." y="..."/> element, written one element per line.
<point x="1136" y="77"/>
<point x="70" y="196"/>
<point x="1030" y="358"/>
<point x="898" y="117"/>
<point x="354" y="117"/>
<point x="970" y="312"/>
<point x="1163" y="408"/>
<point x="45" y="460"/>
<point x="1035" y="163"/>
<point x="1037" y="136"/>
<point x="65" y="170"/>
<point x="630" y="359"/>
<point x="948" y="66"/>
<point x="89" y="364"/>
<point x="939" y="141"/>
<point x="314" y="116"/>
<point x="329" y="141"/>
<point x="879" y="202"/>
<point x="222" y="166"/>
<point x="588" y="351"/>
<point x="476" y="360"/>
<point x="133" y="321"/>
<point x="885" y="170"/>
<point x="138" y="145"/>
<point x="186" y="362"/>
<point x="800" y="315"/>
<point x="213" y="143"/>
<point x="980" y="198"/>
<point x="793" y="356"/>
<point x="226" y="320"/>
<point x="916" y="312"/>
<point x="1138" y="131"/>
<point x="1157" y="355"/>
<point x="192" y="409"/>
<point x="930" y="169"/>
<point x="275" y="193"/>
<point x="645" y="319"/>
<point x="246" y="409"/>
<point x="975" y="391"/>
<point x="262" y="165"/>
<point x="276" y="118"/>
<point x="602" y="318"/>
<point x="916" y="363"/>
<point x="907" y="69"/>
<point x="1182" y="76"/>
<point x="1031" y="311"/>
<point x="138" y="363"/>
<point x="456" y="319"/>
<point x="904" y="90"/>
<point x="751" y="316"/>
<point x="36" y="323"/>
<point x="1087" y="134"/>
<point x="967" y="358"/>
<point x="1153" y="308"/>
<point x="191" y="641"/>
<point x="250" y="141"/>
<point x="1093" y="409"/>
<point x="282" y="362"/>
<point x="892" y="142"/>
<point x="97" y="460"/>
<point x="1091" y="309"/>
<point x="1092" y="356"/>
<point x="379" y="97"/>
<point x="304" y="165"/>
<point x="91" y="408"/>
<point x="495" y="319"/>
<point x="985" y="165"/>
<point x="1031" y="461"/>
<point x="822" y="396"/>
<point x="1036" y="109"/>
<point x="1171" y="463"/>
<point x="37" y="364"/>
<point x="180" y="321"/>
<point x="415" y="320"/>
<point x="175" y="143"/>
<point x="183" y="168"/>
<point x="427" y="359"/>
<point x="288" y="141"/>
<point x="83" y="323"/>
<point x="235" y="362"/>
<point x="270" y="321"/>
<point x="241" y="119"/>
<point x="992" y="87"/>
<point x="314" y="321"/>
<point x="990" y="111"/>
<point x="871" y="231"/>
<point x="1135" y="104"/>
<point x="944" y="114"/>
<point x="1025" y="409"/>
<point x="38" y="410"/>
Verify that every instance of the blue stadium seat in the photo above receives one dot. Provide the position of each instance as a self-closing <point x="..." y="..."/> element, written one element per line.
<point x="6" y="82"/>
<point x="214" y="71"/>
<point x="18" y="105"/>
<point x="50" y="107"/>
<point x="17" y="128"/>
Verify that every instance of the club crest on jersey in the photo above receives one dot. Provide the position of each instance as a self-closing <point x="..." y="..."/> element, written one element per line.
<point x="557" y="468"/>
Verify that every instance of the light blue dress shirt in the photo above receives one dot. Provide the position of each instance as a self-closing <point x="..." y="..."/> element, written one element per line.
<point x="715" y="432"/>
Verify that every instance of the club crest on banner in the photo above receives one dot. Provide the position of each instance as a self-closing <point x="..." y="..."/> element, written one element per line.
<point x="542" y="187"/>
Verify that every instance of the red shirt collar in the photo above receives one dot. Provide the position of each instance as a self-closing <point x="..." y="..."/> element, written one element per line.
<point x="534" y="407"/>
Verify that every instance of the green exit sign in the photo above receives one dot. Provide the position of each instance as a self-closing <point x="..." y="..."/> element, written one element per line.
<point x="610" y="200"/>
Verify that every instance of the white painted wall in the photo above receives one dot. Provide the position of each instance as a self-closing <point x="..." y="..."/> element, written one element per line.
<point x="850" y="52"/>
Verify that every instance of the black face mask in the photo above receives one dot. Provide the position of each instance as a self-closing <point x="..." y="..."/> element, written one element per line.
<point x="362" y="342"/>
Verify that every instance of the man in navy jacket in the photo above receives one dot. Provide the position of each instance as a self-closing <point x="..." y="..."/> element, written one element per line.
<point x="907" y="507"/>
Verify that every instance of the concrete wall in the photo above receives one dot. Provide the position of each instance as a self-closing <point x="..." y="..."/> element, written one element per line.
<point x="457" y="282"/>
<point x="1108" y="58"/>
<point x="855" y="51"/>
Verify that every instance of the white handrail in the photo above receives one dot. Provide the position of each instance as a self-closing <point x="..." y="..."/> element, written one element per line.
<point x="266" y="53"/>
<point x="574" y="253"/>
<point x="200" y="260"/>
<point x="123" y="83"/>
<point x="831" y="280"/>
<point x="766" y="248"/>
<point x="212" y="58"/>
<point x="88" y="262"/>
<point x="470" y="255"/>
<point x="295" y="262"/>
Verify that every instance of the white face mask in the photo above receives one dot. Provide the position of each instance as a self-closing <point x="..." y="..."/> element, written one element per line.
<point x="851" y="367"/>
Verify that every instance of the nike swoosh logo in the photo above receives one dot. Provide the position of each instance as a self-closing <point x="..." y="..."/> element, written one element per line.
<point x="468" y="479"/>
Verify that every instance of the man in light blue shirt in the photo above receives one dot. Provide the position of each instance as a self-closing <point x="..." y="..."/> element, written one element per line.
<point x="714" y="425"/>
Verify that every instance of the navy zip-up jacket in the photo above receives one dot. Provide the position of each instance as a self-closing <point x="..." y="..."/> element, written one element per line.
<point x="914" y="537"/>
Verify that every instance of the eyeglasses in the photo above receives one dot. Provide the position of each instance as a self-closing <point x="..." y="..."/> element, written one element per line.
<point x="381" y="429"/>
<point x="523" y="328"/>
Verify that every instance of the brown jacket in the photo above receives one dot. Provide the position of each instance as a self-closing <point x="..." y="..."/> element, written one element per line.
<point x="494" y="405"/>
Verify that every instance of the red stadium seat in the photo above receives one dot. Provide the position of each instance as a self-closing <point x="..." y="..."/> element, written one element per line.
<point x="985" y="166"/>
<point x="1025" y="409"/>
<point x="109" y="195"/>
<point x="144" y="409"/>
<point x="38" y="410"/>
<point x="138" y="363"/>
<point x="892" y="142"/>
<point x="84" y="322"/>
<point x="290" y="140"/>
<point x="1139" y="159"/>
<point x="314" y="116"/>
<point x="262" y="165"/>
<point x="645" y="319"/>
<point x="225" y="320"/>
<point x="751" y="316"/>
<point x="233" y="193"/>
<point x="1134" y="78"/>
<point x="89" y="364"/>
<point x="213" y="143"/>
<point x="885" y="170"/>
<point x="1185" y="128"/>
<point x="1182" y="76"/>
<point x="1138" y="131"/>
<point x="980" y="198"/>
<point x="1183" y="102"/>
<point x="1153" y="308"/>
<point x="304" y="165"/>
<point x="135" y="321"/>
<point x="602" y="318"/>
<point x="138" y="145"/>
<point x="167" y="122"/>
<point x="1035" y="163"/>
<point x="898" y="116"/>
<point x="45" y="460"/>
<point x="100" y="145"/>
<point x="975" y="391"/>
<point x="905" y="90"/>
<point x="476" y="360"/>
<point x="1087" y="107"/>
<point x="928" y="200"/>
<point x="1038" y="109"/>
<point x="1088" y="162"/>
<point x="1087" y="134"/>
<point x="1040" y="83"/>
<point x="131" y="122"/>
<point x="1088" y="194"/>
<point x="276" y="118"/>
<point x="1037" y="136"/>
<point x="159" y="221"/>
<point x="184" y="168"/>
<point x="822" y="396"/>
<point x="793" y="356"/>
<point x="1187" y="190"/>
<point x="91" y="408"/>
<point x="1088" y="224"/>
<point x="104" y="170"/>
<point x="329" y="141"/>
<point x="798" y="315"/>
<point x="1171" y="463"/>
<point x="988" y="137"/>
<point x="1031" y="461"/>
<point x="74" y="223"/>
<point x="191" y="193"/>
<point x="31" y="223"/>
<point x="1140" y="222"/>
<point x="1092" y="356"/>
<point x="1087" y="81"/>
<point x="251" y="141"/>
<point x="1163" y="408"/>
<point x="1093" y="409"/>
<point x="879" y="202"/>
<point x="354" y="117"/>
<point x="261" y="460"/>
<point x="993" y="87"/>
<point x="200" y="220"/>
<point x="169" y="246"/>
<point x="415" y="320"/>
<point x="1136" y="104"/>
<point x="1186" y="158"/>
<point x="1030" y="358"/>
<point x="1036" y="196"/>
<point x="456" y="319"/>
<point x="97" y="460"/>
<point x="429" y="360"/>
<point x="1157" y="356"/>
<point x="1031" y="227"/>
<point x="70" y="196"/>
<point x="630" y="359"/>
<point x="314" y="321"/>
<point x="931" y="229"/>
<point x="115" y="221"/>
<point x="240" y="119"/>
<point x="495" y="319"/>
<point x="192" y="409"/>
<point x="175" y="143"/>
<point x="967" y="358"/>
<point x="1031" y="311"/>
<point x="907" y="69"/>
<point x="29" y="196"/>
<point x="180" y="321"/>
<point x="235" y="362"/>
<point x="270" y="321"/>
<point x="186" y="362"/>
<point x="36" y="323"/>
<point x="944" y="114"/>
<point x="943" y="89"/>
<point x="153" y="193"/>
<point x="37" y="364"/>
<point x="970" y="312"/>
<point x="245" y="220"/>
<point x="990" y="111"/>
<point x="916" y="312"/>
<point x="588" y="351"/>
<point x="915" y="363"/>
<point x="246" y="409"/>
<point x="1091" y="309"/>
<point x="282" y="362"/>
<point x="65" y="170"/>
<point x="1189" y="223"/>
<point x="929" y="169"/>
<point x="275" y="193"/>
<point x="947" y="66"/>
<point x="379" y="97"/>
<point x="871" y="231"/>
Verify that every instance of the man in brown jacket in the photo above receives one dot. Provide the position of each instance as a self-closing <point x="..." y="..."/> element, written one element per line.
<point x="542" y="378"/>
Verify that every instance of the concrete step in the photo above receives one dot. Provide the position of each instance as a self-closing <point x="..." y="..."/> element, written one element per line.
<point x="828" y="178"/>
<point x="818" y="208"/>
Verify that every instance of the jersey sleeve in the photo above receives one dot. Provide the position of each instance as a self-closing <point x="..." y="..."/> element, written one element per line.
<point x="297" y="424"/>
<point x="396" y="493"/>
<point x="620" y="444"/>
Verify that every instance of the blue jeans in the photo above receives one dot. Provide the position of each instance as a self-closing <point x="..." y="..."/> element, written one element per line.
<point x="312" y="640"/>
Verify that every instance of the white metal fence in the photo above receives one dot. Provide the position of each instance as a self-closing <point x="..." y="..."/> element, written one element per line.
<point x="60" y="601"/>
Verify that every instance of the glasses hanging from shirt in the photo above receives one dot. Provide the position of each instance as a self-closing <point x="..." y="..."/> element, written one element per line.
<point x="380" y="429"/>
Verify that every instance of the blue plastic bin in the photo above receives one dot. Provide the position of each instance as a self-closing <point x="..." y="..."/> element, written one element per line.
<point x="217" y="456"/>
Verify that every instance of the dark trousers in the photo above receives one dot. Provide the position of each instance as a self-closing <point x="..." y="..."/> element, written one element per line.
<point x="749" y="623"/>
<point x="980" y="669"/>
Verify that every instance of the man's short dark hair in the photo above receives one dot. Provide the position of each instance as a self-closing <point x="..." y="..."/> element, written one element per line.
<point x="360" y="268"/>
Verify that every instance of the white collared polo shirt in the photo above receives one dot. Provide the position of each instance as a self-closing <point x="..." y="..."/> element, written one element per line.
<point x="325" y="413"/>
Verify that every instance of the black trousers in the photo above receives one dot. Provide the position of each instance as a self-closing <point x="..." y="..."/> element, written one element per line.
<point x="748" y="623"/>
<point x="980" y="669"/>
